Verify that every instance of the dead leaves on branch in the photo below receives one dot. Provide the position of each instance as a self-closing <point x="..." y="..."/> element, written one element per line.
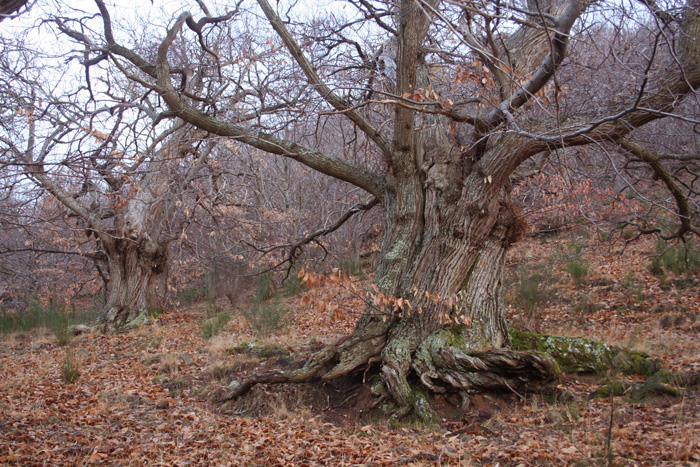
<point x="386" y="306"/>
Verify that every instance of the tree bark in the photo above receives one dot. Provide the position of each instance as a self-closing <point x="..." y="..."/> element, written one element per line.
<point x="133" y="271"/>
<point x="137" y="248"/>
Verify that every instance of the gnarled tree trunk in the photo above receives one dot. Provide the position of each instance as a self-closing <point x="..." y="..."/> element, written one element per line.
<point x="137" y="248"/>
<point x="133" y="271"/>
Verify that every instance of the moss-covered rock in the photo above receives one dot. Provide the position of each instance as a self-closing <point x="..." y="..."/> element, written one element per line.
<point x="572" y="354"/>
<point x="636" y="363"/>
<point x="656" y="385"/>
<point x="582" y="355"/>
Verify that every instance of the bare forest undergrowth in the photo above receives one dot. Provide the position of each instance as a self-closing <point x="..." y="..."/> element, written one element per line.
<point x="152" y="396"/>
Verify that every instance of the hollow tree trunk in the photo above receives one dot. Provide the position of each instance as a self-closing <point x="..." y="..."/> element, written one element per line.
<point x="133" y="271"/>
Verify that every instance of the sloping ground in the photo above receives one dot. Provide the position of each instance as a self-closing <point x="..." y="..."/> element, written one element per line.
<point x="619" y="301"/>
<point x="150" y="396"/>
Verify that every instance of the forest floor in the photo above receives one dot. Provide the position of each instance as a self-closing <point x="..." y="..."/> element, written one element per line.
<point x="152" y="396"/>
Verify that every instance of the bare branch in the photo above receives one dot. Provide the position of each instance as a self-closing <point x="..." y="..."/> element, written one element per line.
<point x="359" y="207"/>
<point x="546" y="69"/>
<point x="328" y="165"/>
<point x="685" y="213"/>
<point x="324" y="91"/>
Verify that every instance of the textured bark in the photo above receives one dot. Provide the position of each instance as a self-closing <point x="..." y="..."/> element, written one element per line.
<point x="133" y="270"/>
<point x="443" y="361"/>
<point x="447" y="239"/>
<point x="137" y="248"/>
<point x="135" y="254"/>
<point x="449" y="223"/>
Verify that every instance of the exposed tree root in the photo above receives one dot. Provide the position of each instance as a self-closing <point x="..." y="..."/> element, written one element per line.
<point x="440" y="361"/>
<point x="345" y="356"/>
<point x="443" y="363"/>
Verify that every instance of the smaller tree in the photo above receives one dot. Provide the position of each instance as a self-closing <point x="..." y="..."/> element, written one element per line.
<point x="109" y="163"/>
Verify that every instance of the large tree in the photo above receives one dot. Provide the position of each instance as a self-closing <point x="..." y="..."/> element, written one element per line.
<point x="453" y="97"/>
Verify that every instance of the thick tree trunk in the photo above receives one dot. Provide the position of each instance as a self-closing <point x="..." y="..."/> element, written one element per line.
<point x="458" y="260"/>
<point x="133" y="271"/>
<point x="450" y="265"/>
<point x="137" y="249"/>
<point x="444" y="251"/>
<point x="448" y="216"/>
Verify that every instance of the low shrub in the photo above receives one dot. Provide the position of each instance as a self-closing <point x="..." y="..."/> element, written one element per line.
<point x="70" y="370"/>
<point x="266" y="318"/>
<point x="55" y="318"/>
<point x="292" y="284"/>
<point x="528" y="291"/>
<point x="215" y="324"/>
<point x="578" y="270"/>
<point x="264" y="288"/>
<point x="576" y="265"/>
<point x="351" y="267"/>
<point x="680" y="259"/>
<point x="190" y="295"/>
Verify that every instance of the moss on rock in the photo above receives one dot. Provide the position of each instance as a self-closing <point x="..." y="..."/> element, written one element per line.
<point x="581" y="355"/>
<point x="657" y="385"/>
<point x="572" y="354"/>
<point x="636" y="363"/>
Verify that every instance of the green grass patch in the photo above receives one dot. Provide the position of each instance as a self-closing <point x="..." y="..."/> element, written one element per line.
<point x="58" y="322"/>
<point x="576" y="265"/>
<point x="70" y="370"/>
<point x="213" y="325"/>
<point x="680" y="259"/>
<point x="292" y="284"/>
<point x="351" y="267"/>
<point x="578" y="270"/>
<point x="529" y="290"/>
<point x="190" y="295"/>
<point x="55" y="318"/>
<point x="264" y="287"/>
